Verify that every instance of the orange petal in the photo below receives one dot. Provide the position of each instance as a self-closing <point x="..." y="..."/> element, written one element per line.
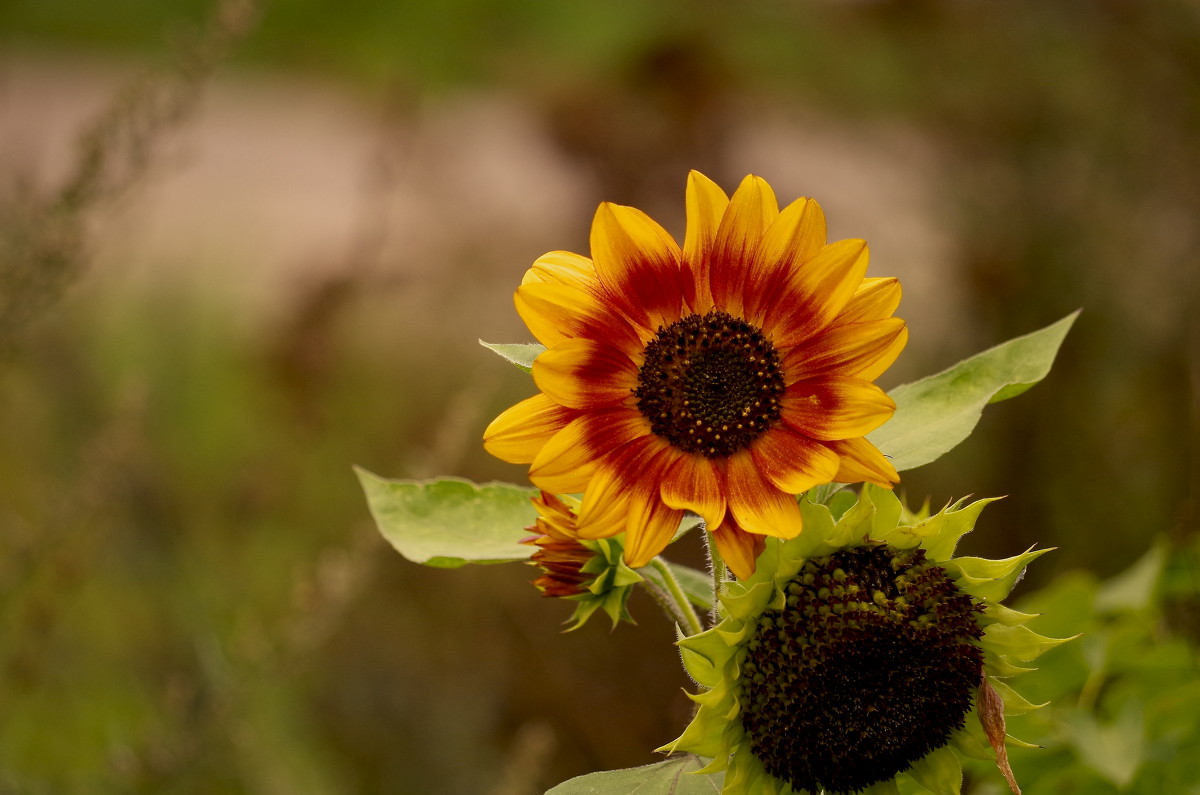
<point x="756" y="504"/>
<point x="875" y="299"/>
<point x="863" y="350"/>
<point x="870" y="368"/>
<point x="555" y="518"/>
<point x="640" y="266"/>
<point x="649" y="528"/>
<point x="836" y="408"/>
<point x="751" y="210"/>
<point x="817" y="292"/>
<point x="705" y="203"/>
<point x="554" y="311"/>
<point x="793" y="462"/>
<point x="861" y="461"/>
<point x="605" y="504"/>
<point x="694" y="483"/>
<point x="795" y="237"/>
<point x="626" y="479"/>
<point x="569" y="459"/>
<point x="584" y="374"/>
<point x="650" y="524"/>
<point x="520" y="433"/>
<point x="739" y="549"/>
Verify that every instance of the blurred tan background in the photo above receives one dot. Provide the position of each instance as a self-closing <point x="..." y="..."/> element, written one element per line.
<point x="245" y="247"/>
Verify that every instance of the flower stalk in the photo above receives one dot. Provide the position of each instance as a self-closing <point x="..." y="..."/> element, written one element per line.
<point x="678" y="604"/>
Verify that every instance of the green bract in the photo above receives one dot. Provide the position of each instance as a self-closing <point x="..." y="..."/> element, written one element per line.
<point x="914" y="604"/>
<point x="610" y="586"/>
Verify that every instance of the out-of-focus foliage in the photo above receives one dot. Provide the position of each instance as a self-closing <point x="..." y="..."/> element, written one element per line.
<point x="1122" y="698"/>
<point x="191" y="594"/>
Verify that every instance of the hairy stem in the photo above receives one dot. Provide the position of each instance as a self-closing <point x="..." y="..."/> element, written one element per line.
<point x="681" y="608"/>
<point x="716" y="565"/>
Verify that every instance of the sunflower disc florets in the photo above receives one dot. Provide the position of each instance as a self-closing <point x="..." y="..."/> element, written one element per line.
<point x="870" y="665"/>
<point x="859" y="653"/>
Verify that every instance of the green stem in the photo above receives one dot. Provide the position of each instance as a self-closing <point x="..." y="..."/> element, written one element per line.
<point x="683" y="608"/>
<point x="664" y="600"/>
<point x="716" y="564"/>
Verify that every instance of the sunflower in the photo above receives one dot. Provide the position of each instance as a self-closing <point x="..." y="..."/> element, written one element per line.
<point x="560" y="555"/>
<point x="589" y="572"/>
<point x="722" y="377"/>
<point x="858" y="653"/>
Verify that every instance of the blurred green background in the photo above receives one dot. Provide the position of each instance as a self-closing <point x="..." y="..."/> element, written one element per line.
<point x="246" y="247"/>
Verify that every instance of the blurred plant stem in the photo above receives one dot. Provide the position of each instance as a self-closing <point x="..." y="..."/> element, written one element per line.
<point x="45" y="234"/>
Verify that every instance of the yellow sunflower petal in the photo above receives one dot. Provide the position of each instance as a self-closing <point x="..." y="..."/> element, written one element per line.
<point x="836" y="408"/>
<point x="871" y="368"/>
<point x="758" y="505"/>
<point x="570" y="458"/>
<point x="650" y="526"/>
<point x="861" y="461"/>
<point x="875" y="299"/>
<point x="552" y="311"/>
<point x="695" y="483"/>
<point x="738" y="548"/>
<point x="706" y="204"/>
<point x="605" y="505"/>
<point x="585" y="374"/>
<point x="795" y="237"/>
<point x="817" y="292"/>
<point x="625" y="482"/>
<point x="792" y="461"/>
<point x="520" y="433"/>
<point x="561" y="267"/>
<point x="863" y="350"/>
<point x="752" y="209"/>
<point x="640" y="266"/>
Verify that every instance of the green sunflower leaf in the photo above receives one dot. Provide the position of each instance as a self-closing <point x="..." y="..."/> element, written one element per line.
<point x="939" y="772"/>
<point x="1132" y="591"/>
<point x="935" y="414"/>
<point x="450" y="522"/>
<point x="521" y="354"/>
<point x="664" y="778"/>
<point x="1115" y="750"/>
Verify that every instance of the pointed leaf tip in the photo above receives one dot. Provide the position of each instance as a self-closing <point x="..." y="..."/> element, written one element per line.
<point x="669" y="777"/>
<point x="933" y="415"/>
<point x="521" y="354"/>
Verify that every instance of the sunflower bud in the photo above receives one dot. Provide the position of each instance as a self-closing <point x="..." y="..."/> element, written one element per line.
<point x="589" y="572"/>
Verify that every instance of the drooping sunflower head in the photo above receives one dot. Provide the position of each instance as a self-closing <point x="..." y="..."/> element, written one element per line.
<point x="560" y="554"/>
<point x="589" y="572"/>
<point x="723" y="376"/>
<point x="857" y="653"/>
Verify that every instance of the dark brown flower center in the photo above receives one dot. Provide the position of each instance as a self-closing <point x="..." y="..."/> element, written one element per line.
<point x="871" y="665"/>
<point x="710" y="384"/>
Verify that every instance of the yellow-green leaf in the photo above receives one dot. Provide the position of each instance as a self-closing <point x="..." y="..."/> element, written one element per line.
<point x="449" y="522"/>
<point x="936" y="413"/>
